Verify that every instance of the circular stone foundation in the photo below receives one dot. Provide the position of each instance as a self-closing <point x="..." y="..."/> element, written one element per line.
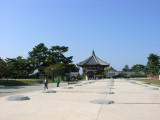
<point x="49" y="91"/>
<point x="110" y="85"/>
<point x="153" y="89"/>
<point x="137" y="83"/>
<point x="145" y="85"/>
<point x="110" y="92"/>
<point x="132" y="81"/>
<point x="85" y="83"/>
<point x="102" y="102"/>
<point x="18" y="98"/>
<point x="110" y="88"/>
<point x="68" y="87"/>
<point x="91" y="82"/>
<point x="78" y="85"/>
<point x="107" y="93"/>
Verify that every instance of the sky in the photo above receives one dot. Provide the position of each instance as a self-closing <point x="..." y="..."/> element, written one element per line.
<point x="121" y="32"/>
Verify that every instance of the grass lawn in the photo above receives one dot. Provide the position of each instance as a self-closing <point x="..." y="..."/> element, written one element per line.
<point x="148" y="81"/>
<point x="19" y="82"/>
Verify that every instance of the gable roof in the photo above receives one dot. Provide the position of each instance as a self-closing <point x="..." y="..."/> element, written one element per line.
<point x="112" y="69"/>
<point x="93" y="60"/>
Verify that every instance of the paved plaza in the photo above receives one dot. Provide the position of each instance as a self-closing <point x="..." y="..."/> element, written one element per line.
<point x="11" y="90"/>
<point x="132" y="101"/>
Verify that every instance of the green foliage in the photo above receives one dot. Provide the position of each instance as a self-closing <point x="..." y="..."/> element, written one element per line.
<point x="138" y="68"/>
<point x="42" y="57"/>
<point x="21" y="82"/>
<point x="106" y="70"/>
<point x="60" y="69"/>
<point x="39" y="57"/>
<point x="100" y="76"/>
<point x="57" y="69"/>
<point x="126" y="68"/>
<point x="82" y="76"/>
<point x="3" y="68"/>
<point x="153" y="64"/>
<point x="148" y="81"/>
<point x="18" y="67"/>
<point x="138" y="75"/>
<point x="56" y="55"/>
<point x="49" y="70"/>
<point x="12" y="83"/>
<point x="71" y="68"/>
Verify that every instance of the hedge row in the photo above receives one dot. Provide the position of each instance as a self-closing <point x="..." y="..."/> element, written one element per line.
<point x="138" y="75"/>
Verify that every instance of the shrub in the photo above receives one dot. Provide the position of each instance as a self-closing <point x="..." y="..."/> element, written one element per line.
<point x="138" y="75"/>
<point x="100" y="76"/>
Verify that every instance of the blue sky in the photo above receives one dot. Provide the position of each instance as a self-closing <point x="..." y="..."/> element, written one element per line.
<point x="120" y="31"/>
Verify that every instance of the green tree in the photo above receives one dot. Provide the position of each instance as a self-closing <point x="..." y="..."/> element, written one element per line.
<point x="106" y="70"/>
<point x="71" y="68"/>
<point x="126" y="68"/>
<point x="50" y="71"/>
<point x="29" y="66"/>
<point x="19" y="67"/>
<point x="55" y="70"/>
<point x="153" y="64"/>
<point x="138" y="68"/>
<point x="3" y="68"/>
<point x="60" y="69"/>
<point x="56" y="55"/>
<point x="38" y="56"/>
<point x="12" y="67"/>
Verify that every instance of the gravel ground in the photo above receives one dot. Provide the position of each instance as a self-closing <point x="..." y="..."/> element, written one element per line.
<point x="12" y="90"/>
<point x="130" y="102"/>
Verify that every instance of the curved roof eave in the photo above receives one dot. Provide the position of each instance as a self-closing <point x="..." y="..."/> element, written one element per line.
<point x="93" y="60"/>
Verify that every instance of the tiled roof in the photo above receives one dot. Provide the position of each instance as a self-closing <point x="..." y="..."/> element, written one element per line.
<point x="93" y="60"/>
<point x="111" y="69"/>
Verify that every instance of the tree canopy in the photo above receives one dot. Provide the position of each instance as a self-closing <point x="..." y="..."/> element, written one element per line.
<point x="56" y="55"/>
<point x="19" y="67"/>
<point x="43" y="57"/>
<point x="3" y="68"/>
<point x="39" y="59"/>
<point x="57" y="69"/>
<point x="126" y="68"/>
<point x="152" y="67"/>
<point x="54" y="62"/>
<point x="138" y="68"/>
<point x="153" y="64"/>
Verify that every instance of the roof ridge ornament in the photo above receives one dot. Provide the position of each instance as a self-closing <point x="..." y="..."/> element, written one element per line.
<point x="93" y="53"/>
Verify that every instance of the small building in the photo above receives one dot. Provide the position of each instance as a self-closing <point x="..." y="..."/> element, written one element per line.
<point x="93" y="66"/>
<point x="111" y="72"/>
<point x="74" y="74"/>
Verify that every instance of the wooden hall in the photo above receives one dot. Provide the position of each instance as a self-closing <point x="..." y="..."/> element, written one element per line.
<point x="93" y="66"/>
